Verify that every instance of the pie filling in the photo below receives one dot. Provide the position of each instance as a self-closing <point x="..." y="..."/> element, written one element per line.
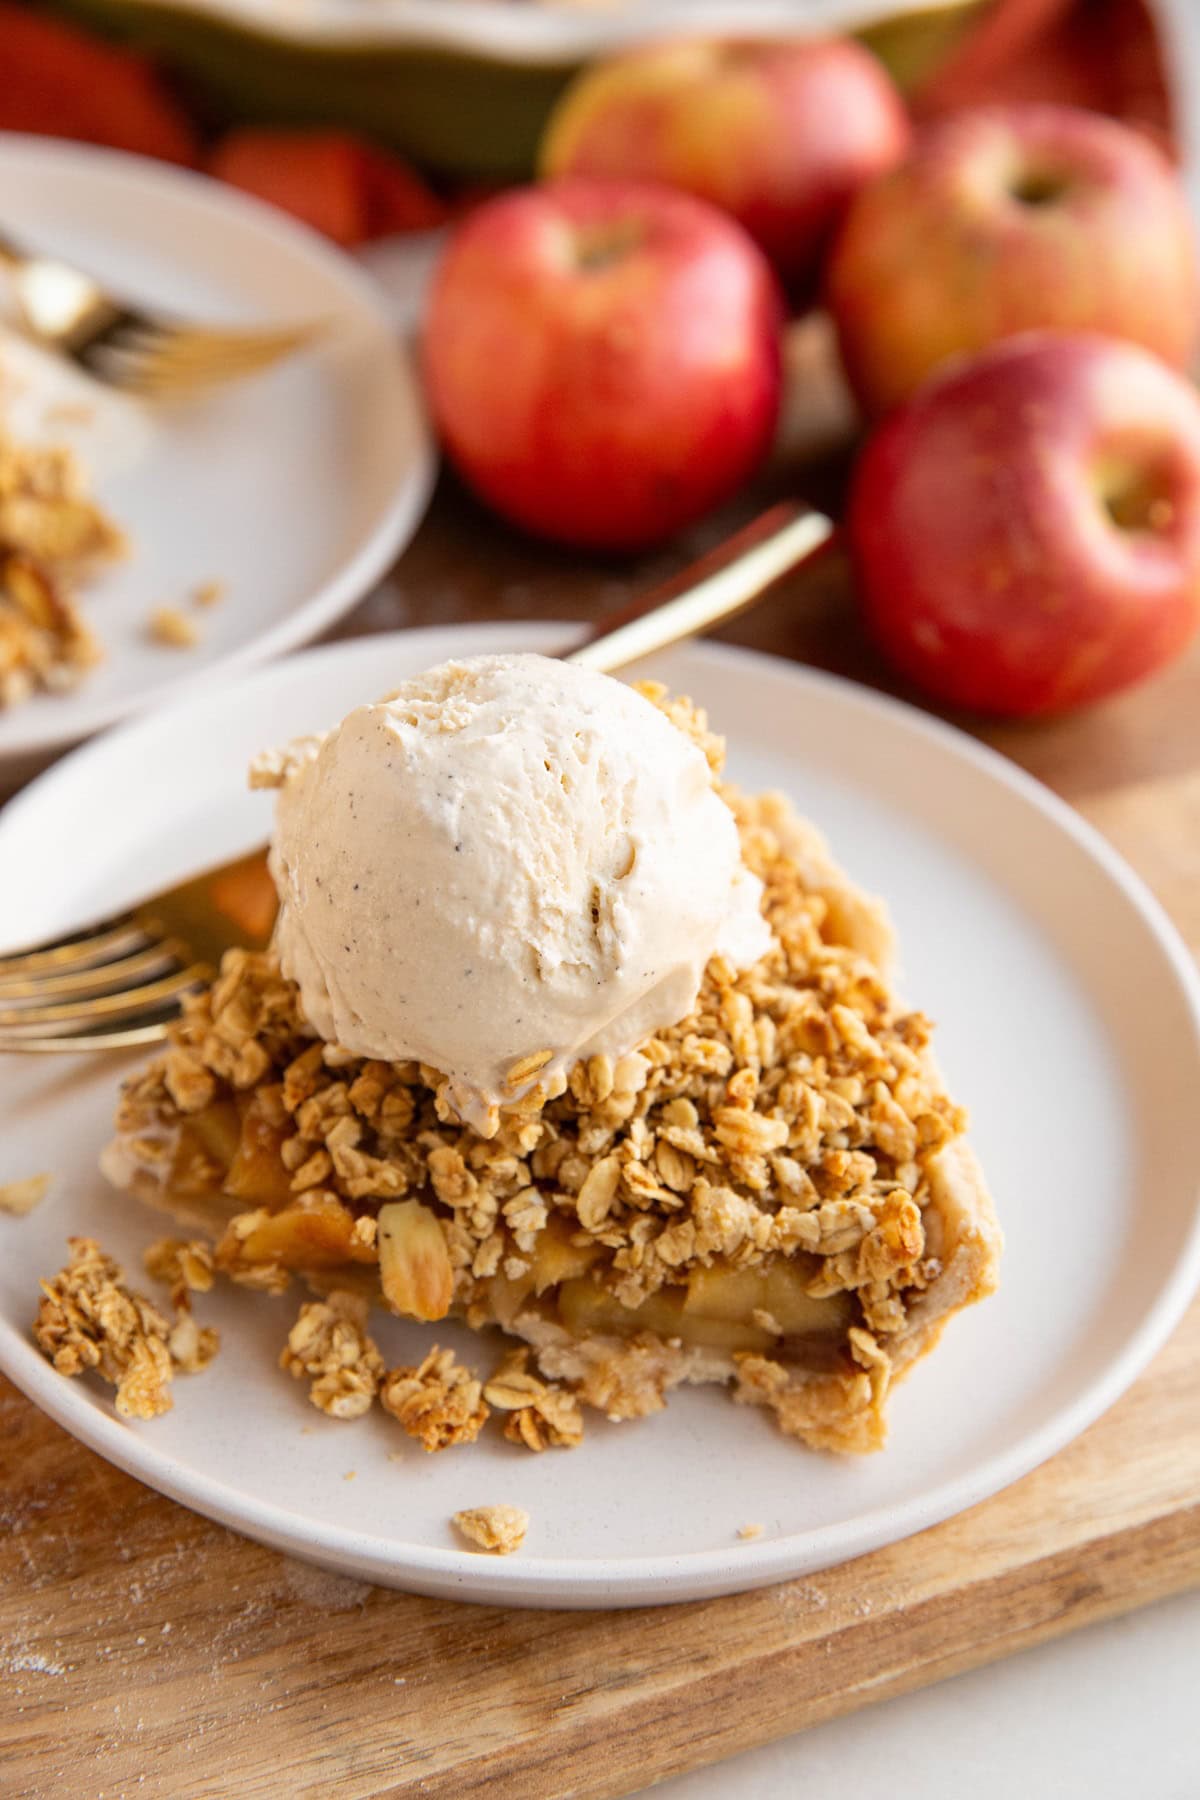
<point x="775" y="1193"/>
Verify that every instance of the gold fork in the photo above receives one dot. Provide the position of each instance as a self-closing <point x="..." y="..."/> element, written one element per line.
<point x="121" y="982"/>
<point x="68" y="312"/>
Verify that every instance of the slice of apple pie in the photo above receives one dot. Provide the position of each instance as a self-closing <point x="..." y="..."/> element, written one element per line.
<point x="775" y="1193"/>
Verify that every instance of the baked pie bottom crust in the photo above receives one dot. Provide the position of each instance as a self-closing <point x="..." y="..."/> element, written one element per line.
<point x="776" y="1193"/>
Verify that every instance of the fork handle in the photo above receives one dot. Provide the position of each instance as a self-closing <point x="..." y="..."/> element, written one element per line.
<point x="715" y="588"/>
<point x="11" y="254"/>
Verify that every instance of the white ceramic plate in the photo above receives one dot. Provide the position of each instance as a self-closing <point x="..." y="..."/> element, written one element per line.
<point x="295" y="490"/>
<point x="1069" y="1021"/>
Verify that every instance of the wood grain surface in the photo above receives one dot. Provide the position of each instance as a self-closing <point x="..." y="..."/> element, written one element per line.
<point x="144" y="1651"/>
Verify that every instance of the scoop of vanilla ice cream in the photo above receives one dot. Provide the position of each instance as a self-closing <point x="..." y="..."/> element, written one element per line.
<point x="509" y="858"/>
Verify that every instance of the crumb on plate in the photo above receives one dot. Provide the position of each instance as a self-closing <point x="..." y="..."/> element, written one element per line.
<point x="540" y="1414"/>
<point x="167" y="625"/>
<point x="20" y="1197"/>
<point x="89" y="1319"/>
<point x="440" y="1402"/>
<point x="330" y="1345"/>
<point x="185" y="1265"/>
<point x="52" y="536"/>
<point x="208" y="593"/>
<point x="498" y="1529"/>
<point x="750" y="1531"/>
<point x="192" y="1346"/>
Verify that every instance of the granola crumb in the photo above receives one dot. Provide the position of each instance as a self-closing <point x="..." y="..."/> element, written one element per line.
<point x="192" y="1346"/>
<point x="747" y="1532"/>
<point x="186" y="1267"/>
<point x="20" y="1197"/>
<point x="329" y="1344"/>
<point x="208" y="593"/>
<point x="167" y="625"/>
<point x="440" y="1402"/>
<point x="89" y="1319"/>
<point x="52" y="537"/>
<point x="182" y="1264"/>
<point x="499" y="1529"/>
<point x="540" y="1414"/>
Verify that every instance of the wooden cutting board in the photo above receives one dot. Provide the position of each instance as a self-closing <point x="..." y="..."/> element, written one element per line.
<point x="144" y="1651"/>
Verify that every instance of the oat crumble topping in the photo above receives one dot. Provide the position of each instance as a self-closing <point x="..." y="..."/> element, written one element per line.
<point x="786" y="1158"/>
<point x="499" y="1529"/>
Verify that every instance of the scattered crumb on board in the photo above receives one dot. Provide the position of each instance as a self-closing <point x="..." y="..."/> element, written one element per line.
<point x="323" y="1589"/>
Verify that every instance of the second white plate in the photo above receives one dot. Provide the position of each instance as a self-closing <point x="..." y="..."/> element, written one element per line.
<point x="294" y="491"/>
<point x="1069" y="1021"/>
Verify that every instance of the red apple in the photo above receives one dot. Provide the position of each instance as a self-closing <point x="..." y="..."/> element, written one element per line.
<point x="778" y="134"/>
<point x="1026" y="530"/>
<point x="602" y="359"/>
<point x="1010" y="219"/>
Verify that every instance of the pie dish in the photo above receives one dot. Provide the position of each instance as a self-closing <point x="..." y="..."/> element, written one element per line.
<point x="775" y="1192"/>
<point x="465" y="86"/>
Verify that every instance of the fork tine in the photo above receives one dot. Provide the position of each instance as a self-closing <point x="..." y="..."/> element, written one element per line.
<point x="18" y="1019"/>
<point x="124" y="972"/>
<point x="166" y="382"/>
<point x="163" y="378"/>
<point x="116" y="937"/>
<point x="149" y="382"/>
<point x="90" y="1040"/>
<point x="153" y="360"/>
<point x="167" y="355"/>
<point x="190" y="341"/>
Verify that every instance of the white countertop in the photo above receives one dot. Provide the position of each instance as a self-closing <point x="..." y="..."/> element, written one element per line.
<point x="1110" y="1711"/>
